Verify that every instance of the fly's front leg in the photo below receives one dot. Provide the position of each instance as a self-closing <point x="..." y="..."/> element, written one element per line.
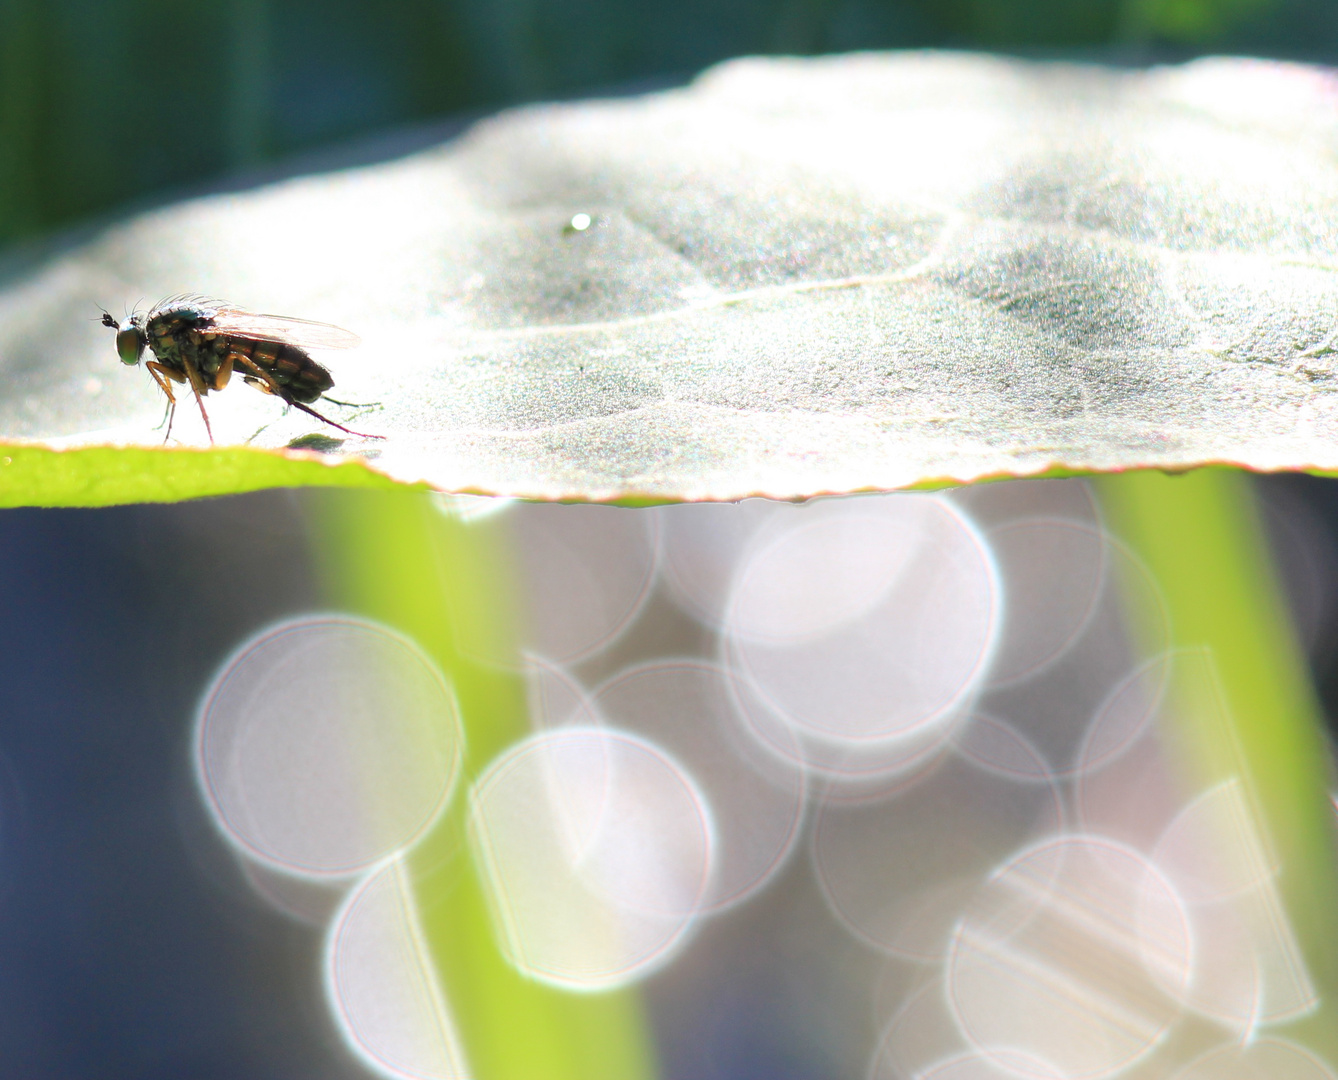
<point x="161" y="375"/>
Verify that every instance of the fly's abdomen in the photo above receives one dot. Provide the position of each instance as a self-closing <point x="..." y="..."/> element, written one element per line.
<point x="297" y="375"/>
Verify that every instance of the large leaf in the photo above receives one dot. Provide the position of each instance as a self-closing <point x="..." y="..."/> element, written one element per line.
<point x="800" y="276"/>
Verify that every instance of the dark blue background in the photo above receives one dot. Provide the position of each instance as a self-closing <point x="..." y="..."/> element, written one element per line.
<point x="130" y="946"/>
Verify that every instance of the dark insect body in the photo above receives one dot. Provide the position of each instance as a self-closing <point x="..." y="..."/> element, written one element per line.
<point x="201" y="343"/>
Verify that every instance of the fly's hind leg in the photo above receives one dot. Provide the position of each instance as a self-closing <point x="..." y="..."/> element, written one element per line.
<point x="263" y="380"/>
<point x="223" y="374"/>
<point x="350" y="404"/>
<point x="326" y="420"/>
<point x="161" y="375"/>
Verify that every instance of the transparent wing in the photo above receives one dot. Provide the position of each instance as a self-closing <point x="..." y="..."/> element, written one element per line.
<point x="303" y="333"/>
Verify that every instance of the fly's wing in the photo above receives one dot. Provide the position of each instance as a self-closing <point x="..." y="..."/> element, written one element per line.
<point x="303" y="333"/>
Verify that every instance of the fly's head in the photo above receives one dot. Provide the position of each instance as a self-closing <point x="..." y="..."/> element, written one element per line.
<point x="130" y="337"/>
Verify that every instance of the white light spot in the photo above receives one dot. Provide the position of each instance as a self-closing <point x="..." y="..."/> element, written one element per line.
<point x="469" y="508"/>
<point x="1070" y="655"/>
<point x="555" y="698"/>
<point x="687" y="709"/>
<point x="864" y="626"/>
<point x="381" y="986"/>
<point x="580" y="222"/>
<point x="702" y="545"/>
<point x="1077" y="954"/>
<point x="1125" y="714"/>
<point x="981" y="1067"/>
<point x="1055" y="570"/>
<point x="1213" y="850"/>
<point x="326" y="744"/>
<point x="1249" y="968"/>
<point x="1262" y="1059"/>
<point x="596" y="853"/>
<point x="587" y="572"/>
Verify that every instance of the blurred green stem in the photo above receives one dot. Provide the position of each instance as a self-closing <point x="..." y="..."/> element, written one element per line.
<point x="22" y="113"/>
<point x="447" y="585"/>
<point x="1199" y="534"/>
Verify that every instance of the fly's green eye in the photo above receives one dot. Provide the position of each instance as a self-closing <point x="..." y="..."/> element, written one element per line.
<point x="130" y="344"/>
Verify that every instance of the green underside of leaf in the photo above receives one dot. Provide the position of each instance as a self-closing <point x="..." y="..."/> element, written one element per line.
<point x="108" y="476"/>
<point x="40" y="476"/>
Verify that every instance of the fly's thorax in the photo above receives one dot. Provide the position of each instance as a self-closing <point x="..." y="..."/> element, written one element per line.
<point x="167" y="351"/>
<point x="175" y="324"/>
<point x="180" y="336"/>
<point x="208" y="351"/>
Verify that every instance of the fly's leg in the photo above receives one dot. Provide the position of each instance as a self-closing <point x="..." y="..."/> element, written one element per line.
<point x="262" y="380"/>
<point x="350" y="404"/>
<point x="161" y="375"/>
<point x="326" y="420"/>
<point x="197" y="385"/>
<point x="224" y="373"/>
<point x="265" y="381"/>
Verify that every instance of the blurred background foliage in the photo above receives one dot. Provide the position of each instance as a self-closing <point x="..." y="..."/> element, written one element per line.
<point x="107" y="103"/>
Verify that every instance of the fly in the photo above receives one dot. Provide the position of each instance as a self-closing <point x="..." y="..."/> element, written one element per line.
<point x="201" y="342"/>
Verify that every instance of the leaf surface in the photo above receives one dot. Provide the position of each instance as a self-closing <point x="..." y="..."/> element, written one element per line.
<point x="798" y="276"/>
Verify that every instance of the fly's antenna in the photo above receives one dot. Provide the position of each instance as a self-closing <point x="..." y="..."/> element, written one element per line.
<point x="108" y="319"/>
